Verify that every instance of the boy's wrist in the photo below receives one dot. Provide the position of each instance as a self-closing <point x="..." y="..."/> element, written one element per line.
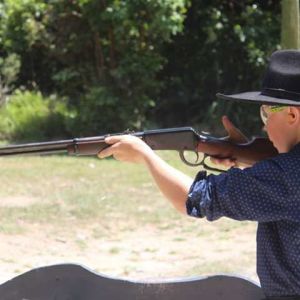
<point x="148" y="156"/>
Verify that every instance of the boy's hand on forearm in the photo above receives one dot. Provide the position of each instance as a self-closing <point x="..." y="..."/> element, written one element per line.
<point x="126" y="148"/>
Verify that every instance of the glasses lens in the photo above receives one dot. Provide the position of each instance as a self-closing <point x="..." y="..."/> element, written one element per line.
<point x="265" y="111"/>
<point x="263" y="114"/>
<point x="276" y="108"/>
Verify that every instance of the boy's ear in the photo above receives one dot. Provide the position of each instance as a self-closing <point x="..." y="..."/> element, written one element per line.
<point x="294" y="114"/>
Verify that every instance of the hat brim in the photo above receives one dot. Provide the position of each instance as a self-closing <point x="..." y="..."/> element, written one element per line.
<point x="257" y="97"/>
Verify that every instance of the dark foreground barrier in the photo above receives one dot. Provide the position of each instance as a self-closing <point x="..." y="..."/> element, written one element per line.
<point x="73" y="282"/>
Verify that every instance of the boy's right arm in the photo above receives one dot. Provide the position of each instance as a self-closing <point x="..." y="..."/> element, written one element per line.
<point x="173" y="184"/>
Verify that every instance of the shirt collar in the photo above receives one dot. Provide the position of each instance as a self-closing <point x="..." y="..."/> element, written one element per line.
<point x="296" y="148"/>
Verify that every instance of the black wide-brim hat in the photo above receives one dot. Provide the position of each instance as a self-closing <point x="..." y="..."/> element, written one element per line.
<point x="281" y="83"/>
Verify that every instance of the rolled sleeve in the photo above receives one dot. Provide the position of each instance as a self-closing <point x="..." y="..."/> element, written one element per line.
<point x="202" y="199"/>
<point x="261" y="193"/>
<point x="199" y="196"/>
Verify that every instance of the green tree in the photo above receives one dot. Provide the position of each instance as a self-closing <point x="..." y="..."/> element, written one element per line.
<point x="130" y="64"/>
<point x="224" y="48"/>
<point x="103" y="55"/>
<point x="9" y="70"/>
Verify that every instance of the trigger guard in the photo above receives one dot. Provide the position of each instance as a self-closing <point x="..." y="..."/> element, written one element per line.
<point x="182" y="157"/>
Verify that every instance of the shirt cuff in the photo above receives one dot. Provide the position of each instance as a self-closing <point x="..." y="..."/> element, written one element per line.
<point x="193" y="203"/>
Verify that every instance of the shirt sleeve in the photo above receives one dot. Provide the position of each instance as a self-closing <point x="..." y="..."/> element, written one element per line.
<point x="261" y="193"/>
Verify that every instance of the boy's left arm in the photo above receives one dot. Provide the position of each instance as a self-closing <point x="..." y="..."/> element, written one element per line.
<point x="173" y="184"/>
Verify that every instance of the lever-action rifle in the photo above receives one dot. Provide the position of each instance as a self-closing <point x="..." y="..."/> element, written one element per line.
<point x="182" y="139"/>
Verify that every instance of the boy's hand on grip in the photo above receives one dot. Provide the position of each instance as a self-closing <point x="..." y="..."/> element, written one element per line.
<point x="235" y="136"/>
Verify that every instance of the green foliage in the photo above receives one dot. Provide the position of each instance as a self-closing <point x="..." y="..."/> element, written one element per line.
<point x="91" y="51"/>
<point x="20" y="24"/>
<point x="28" y="116"/>
<point x="97" y="108"/>
<point x="224" y="48"/>
<point x="9" y="69"/>
<point x="127" y="64"/>
<point x="22" y="31"/>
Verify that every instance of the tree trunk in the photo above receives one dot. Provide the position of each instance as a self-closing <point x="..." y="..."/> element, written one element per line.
<point x="290" y="24"/>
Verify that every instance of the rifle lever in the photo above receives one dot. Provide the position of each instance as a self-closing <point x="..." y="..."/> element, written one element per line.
<point x="199" y="162"/>
<point x="195" y="164"/>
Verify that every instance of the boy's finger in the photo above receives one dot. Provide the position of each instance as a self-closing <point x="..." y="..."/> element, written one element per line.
<point x="114" y="139"/>
<point x="226" y="162"/>
<point x="107" y="151"/>
<point x="229" y="127"/>
<point x="234" y="133"/>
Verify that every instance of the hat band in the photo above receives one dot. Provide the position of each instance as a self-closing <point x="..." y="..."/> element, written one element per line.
<point x="280" y="93"/>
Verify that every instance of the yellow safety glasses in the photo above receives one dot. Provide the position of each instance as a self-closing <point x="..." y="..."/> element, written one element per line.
<point x="266" y="110"/>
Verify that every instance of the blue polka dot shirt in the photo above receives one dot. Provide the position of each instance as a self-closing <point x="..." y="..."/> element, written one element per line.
<point x="269" y="193"/>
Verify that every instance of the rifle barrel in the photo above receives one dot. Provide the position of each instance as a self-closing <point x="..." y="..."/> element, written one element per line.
<point x="181" y="139"/>
<point x="37" y="148"/>
<point x="160" y="139"/>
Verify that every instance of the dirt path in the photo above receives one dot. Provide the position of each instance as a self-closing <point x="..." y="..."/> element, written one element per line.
<point x="145" y="253"/>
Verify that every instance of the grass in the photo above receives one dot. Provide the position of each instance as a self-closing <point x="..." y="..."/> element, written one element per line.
<point x="80" y="188"/>
<point x="113" y="204"/>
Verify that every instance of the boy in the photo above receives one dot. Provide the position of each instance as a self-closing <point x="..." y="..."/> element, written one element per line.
<point x="268" y="192"/>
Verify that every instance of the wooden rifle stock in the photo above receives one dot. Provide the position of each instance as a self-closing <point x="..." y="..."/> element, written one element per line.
<point x="182" y="139"/>
<point x="248" y="153"/>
